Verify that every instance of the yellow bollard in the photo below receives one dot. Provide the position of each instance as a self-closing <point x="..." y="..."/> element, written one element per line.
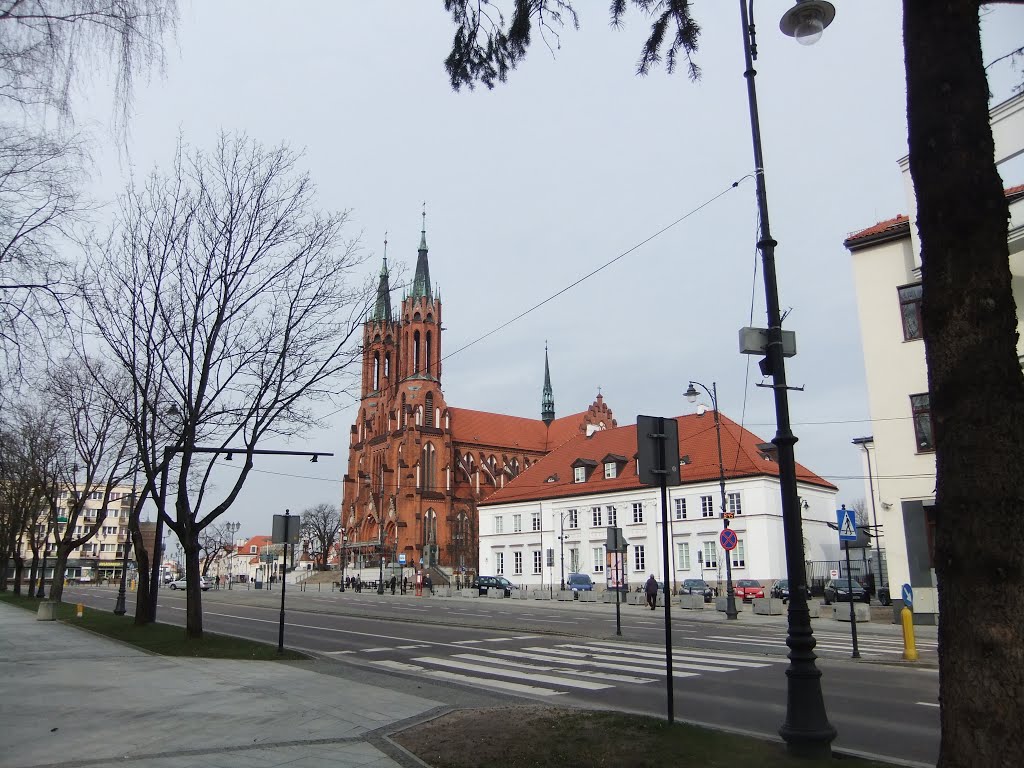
<point x="909" y="647"/>
<point x="79" y="610"/>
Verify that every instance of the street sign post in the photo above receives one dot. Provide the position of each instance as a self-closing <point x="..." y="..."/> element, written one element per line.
<point x="401" y="558"/>
<point x="847" y="525"/>
<point x="727" y="538"/>
<point x="833" y="574"/>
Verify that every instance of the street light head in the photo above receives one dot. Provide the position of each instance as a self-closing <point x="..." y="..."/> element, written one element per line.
<point x="691" y="393"/>
<point x="806" y="20"/>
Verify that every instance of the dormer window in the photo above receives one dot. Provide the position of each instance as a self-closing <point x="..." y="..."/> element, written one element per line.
<point x="581" y="470"/>
<point x="610" y="470"/>
<point x="613" y="465"/>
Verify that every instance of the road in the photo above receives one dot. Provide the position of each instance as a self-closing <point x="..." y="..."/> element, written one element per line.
<point x="726" y="674"/>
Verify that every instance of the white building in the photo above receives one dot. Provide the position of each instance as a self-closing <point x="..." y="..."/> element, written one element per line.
<point x="887" y="276"/>
<point x="554" y="517"/>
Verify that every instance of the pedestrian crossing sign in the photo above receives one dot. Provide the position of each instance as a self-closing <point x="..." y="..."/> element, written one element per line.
<point x="847" y="525"/>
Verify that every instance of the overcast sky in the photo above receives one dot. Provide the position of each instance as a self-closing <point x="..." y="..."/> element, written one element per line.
<point x="567" y="166"/>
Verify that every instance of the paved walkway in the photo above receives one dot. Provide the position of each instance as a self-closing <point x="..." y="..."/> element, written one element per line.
<point x="72" y="698"/>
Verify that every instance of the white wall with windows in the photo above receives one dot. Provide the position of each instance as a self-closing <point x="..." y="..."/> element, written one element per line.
<point x="568" y="535"/>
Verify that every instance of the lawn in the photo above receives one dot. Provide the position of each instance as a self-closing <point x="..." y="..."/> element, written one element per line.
<point x="163" y="639"/>
<point x="546" y="737"/>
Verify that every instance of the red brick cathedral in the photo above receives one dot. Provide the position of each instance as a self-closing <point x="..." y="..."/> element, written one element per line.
<point x="416" y="466"/>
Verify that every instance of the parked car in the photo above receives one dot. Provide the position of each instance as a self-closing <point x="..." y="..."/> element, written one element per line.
<point x="182" y="584"/>
<point x="485" y="583"/>
<point x="747" y="589"/>
<point x="697" y="587"/>
<point x="579" y="582"/>
<point x="780" y="590"/>
<point x="836" y="591"/>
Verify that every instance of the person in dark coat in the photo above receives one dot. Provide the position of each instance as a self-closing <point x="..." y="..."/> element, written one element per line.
<point x="428" y="583"/>
<point x="651" y="590"/>
<point x="394" y="583"/>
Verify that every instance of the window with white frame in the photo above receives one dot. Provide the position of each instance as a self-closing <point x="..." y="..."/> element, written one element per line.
<point x="609" y="470"/>
<point x="499" y="563"/>
<point x="535" y="521"/>
<point x="579" y="474"/>
<point x="639" y="561"/>
<point x="732" y="503"/>
<point x="680" y="509"/>
<point x="598" y="559"/>
<point x="707" y="506"/>
<point x="517" y="523"/>
<point x="710" y="555"/>
<point x="738" y="560"/>
<point x="682" y="556"/>
<point x="572" y="518"/>
<point x="574" y="560"/>
<point x="598" y="517"/>
<point x="499" y="524"/>
<point x="538" y="561"/>
<point x="638" y="512"/>
<point x="107" y="547"/>
<point x="613" y="515"/>
<point x="517" y="563"/>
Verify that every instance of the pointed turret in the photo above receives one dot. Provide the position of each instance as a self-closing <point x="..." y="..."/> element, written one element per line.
<point x="547" y="402"/>
<point x="421" y="282"/>
<point x="382" y="309"/>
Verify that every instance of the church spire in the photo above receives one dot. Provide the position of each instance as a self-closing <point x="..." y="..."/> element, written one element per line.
<point x="382" y="309"/>
<point x="421" y="282"/>
<point x="547" y="402"/>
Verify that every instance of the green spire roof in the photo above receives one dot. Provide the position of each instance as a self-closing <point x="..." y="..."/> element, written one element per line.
<point x="382" y="309"/>
<point x="547" y="402"/>
<point x="421" y="282"/>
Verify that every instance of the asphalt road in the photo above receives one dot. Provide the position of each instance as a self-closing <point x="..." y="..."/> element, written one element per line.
<point x="727" y="674"/>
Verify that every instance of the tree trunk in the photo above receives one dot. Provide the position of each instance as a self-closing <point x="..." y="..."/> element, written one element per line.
<point x="975" y="383"/>
<point x="143" y="615"/>
<point x="60" y="563"/>
<point x="19" y="568"/>
<point x="32" y="570"/>
<point x="194" y="605"/>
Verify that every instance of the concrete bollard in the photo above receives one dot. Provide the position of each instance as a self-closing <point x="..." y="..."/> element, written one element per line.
<point x="540" y="594"/>
<point x="861" y="610"/>
<point x="767" y="606"/>
<point x="47" y="611"/>
<point x="587" y="597"/>
<point x="692" y="602"/>
<point x="565" y="595"/>
<point x="721" y="602"/>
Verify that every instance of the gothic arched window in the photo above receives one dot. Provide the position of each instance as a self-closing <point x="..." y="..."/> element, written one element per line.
<point x="427" y="466"/>
<point x="426" y="363"/>
<point x="416" y="352"/>
<point x="430" y="527"/>
<point x="376" y="370"/>
<point x="429" y="410"/>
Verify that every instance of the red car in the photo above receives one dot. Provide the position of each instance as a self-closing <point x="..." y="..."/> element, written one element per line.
<point x="748" y="589"/>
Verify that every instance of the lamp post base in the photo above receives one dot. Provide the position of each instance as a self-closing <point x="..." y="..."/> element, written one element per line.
<point x="119" y="608"/>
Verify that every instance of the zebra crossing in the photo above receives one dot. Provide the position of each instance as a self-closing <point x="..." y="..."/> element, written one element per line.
<point x="830" y="643"/>
<point x="564" y="667"/>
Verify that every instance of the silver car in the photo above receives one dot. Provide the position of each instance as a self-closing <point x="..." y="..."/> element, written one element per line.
<point x="183" y="584"/>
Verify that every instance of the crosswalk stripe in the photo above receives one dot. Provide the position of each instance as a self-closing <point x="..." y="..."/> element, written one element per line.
<point x="839" y="643"/>
<point x="480" y="682"/>
<point x="376" y="650"/>
<point x="410" y="647"/>
<point x="560" y="670"/>
<point x="689" y="660"/>
<point x="651" y="664"/>
<point x="755" y="642"/>
<point x="552" y="679"/>
<point x="734" y="659"/>
<point x="580" y="662"/>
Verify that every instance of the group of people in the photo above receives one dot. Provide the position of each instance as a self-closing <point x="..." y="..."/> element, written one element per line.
<point x="356" y="584"/>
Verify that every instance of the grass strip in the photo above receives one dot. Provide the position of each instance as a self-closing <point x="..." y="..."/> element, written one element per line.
<point x="545" y="737"/>
<point x="162" y="639"/>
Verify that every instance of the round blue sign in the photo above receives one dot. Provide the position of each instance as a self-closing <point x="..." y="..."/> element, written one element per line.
<point x="907" y="593"/>
<point x="727" y="538"/>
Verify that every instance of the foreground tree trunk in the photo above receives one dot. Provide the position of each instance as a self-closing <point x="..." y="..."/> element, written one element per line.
<point x="975" y="382"/>
<point x="143" y="615"/>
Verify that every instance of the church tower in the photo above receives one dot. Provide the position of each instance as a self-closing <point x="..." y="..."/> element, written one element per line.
<point x="547" y="400"/>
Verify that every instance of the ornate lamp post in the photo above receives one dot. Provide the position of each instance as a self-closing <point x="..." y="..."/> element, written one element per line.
<point x="380" y="578"/>
<point x="232" y="530"/>
<point x="806" y="730"/>
<point x="344" y="558"/>
<point x="730" y="594"/>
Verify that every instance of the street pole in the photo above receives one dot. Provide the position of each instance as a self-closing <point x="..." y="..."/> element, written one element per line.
<point x="849" y="592"/>
<point x="663" y="469"/>
<point x="806" y="729"/>
<point x="344" y="557"/>
<point x="561" y="546"/>
<point x="380" y="551"/>
<point x="284" y="566"/>
<point x="863" y="442"/>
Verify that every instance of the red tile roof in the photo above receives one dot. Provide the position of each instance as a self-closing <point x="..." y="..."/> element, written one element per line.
<point x="897" y="225"/>
<point x="498" y="430"/>
<point x="255" y="541"/>
<point x="740" y="453"/>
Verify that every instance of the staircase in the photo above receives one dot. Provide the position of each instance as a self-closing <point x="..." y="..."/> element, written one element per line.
<point x="438" y="576"/>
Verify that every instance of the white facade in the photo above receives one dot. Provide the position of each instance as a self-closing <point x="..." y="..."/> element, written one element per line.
<point x="516" y="536"/>
<point x="902" y="465"/>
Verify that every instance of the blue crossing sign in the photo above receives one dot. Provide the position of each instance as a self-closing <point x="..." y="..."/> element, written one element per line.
<point x="847" y="524"/>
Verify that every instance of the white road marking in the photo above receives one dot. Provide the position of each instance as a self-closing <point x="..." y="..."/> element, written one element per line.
<point x="652" y="664"/>
<point x="559" y="670"/>
<point x="552" y="679"/>
<point x="927" y="703"/>
<point x="478" y="682"/>
<point x="736" y="659"/>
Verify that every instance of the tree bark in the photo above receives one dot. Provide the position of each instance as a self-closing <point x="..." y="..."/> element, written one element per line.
<point x="143" y="615"/>
<point x="975" y="383"/>
<point x="60" y="563"/>
<point x="194" y="603"/>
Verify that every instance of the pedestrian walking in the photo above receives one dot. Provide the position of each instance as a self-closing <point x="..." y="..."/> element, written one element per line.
<point x="428" y="583"/>
<point x="405" y="584"/>
<point x="394" y="584"/>
<point x="651" y="590"/>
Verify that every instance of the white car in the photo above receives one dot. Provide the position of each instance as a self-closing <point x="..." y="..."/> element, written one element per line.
<point x="182" y="583"/>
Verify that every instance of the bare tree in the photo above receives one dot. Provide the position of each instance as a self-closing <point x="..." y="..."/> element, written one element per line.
<point x="228" y="301"/>
<point x="44" y="44"/>
<point x="97" y="459"/>
<point x="213" y="540"/>
<point x="320" y="527"/>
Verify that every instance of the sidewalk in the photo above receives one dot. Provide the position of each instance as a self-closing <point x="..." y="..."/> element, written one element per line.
<point x="71" y="698"/>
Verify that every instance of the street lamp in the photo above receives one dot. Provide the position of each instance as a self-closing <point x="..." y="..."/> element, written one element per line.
<point x="730" y="594"/>
<point x="119" y="606"/>
<point x="806" y="730"/>
<point x="864" y="442"/>
<point x="232" y="529"/>
<point x="380" y="578"/>
<point x="344" y="558"/>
